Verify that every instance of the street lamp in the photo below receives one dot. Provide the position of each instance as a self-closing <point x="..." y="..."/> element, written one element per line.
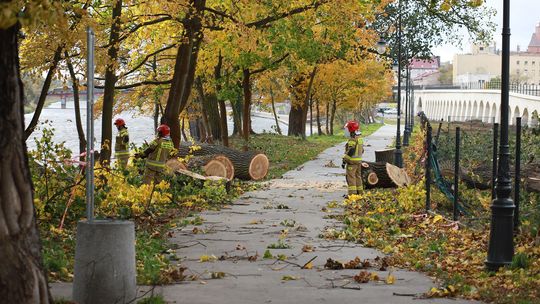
<point x="501" y="243"/>
<point x="398" y="157"/>
<point x="381" y="46"/>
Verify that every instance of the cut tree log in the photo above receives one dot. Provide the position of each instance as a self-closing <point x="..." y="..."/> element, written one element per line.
<point x="229" y="167"/>
<point x="383" y="175"/>
<point x="174" y="166"/>
<point x="247" y="165"/>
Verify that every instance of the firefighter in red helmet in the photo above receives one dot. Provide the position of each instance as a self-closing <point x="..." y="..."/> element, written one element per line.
<point x="157" y="155"/>
<point x="352" y="159"/>
<point x="121" y="146"/>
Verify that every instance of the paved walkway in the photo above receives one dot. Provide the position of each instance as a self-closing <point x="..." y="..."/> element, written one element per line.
<point x="256" y="220"/>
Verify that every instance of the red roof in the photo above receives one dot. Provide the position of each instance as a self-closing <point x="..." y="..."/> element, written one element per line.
<point x="418" y="64"/>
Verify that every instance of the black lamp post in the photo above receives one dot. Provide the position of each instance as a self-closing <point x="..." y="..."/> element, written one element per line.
<point x="406" y="128"/>
<point x="501" y="243"/>
<point x="398" y="157"/>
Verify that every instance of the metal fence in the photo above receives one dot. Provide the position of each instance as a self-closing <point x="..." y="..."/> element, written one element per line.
<point x="462" y="164"/>
<point x="520" y="88"/>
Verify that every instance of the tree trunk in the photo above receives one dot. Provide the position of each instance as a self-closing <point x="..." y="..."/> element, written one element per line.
<point x="184" y="68"/>
<point x="223" y="123"/>
<point x="246" y="110"/>
<point x="311" y="116"/>
<point x="319" y="130"/>
<point x="278" y="129"/>
<point x="224" y="136"/>
<point x="247" y="165"/>
<point x="76" y="103"/>
<point x="327" y="117"/>
<point x="298" y="116"/>
<point x="210" y="121"/>
<point x="383" y="175"/>
<point x="110" y="83"/>
<point x="332" y="116"/>
<point x="43" y="94"/>
<point x="22" y="278"/>
<point x="237" y="115"/>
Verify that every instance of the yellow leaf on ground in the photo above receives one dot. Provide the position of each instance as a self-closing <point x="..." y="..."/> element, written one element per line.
<point x="289" y="278"/>
<point x="207" y="258"/>
<point x="437" y="218"/>
<point x="390" y="279"/>
<point x="308" y="266"/>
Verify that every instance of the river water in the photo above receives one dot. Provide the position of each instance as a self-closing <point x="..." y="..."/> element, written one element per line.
<point x="141" y="127"/>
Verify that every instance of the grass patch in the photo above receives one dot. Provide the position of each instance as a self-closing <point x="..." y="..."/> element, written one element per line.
<point x="156" y="299"/>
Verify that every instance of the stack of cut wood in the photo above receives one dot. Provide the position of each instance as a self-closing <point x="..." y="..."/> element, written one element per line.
<point x="383" y="175"/>
<point x="227" y="162"/>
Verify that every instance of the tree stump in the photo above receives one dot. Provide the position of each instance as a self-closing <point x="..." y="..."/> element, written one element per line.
<point x="385" y="156"/>
<point x="383" y="175"/>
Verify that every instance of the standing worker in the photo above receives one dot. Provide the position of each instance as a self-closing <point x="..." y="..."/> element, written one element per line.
<point x="157" y="154"/>
<point x="352" y="160"/>
<point x="121" y="146"/>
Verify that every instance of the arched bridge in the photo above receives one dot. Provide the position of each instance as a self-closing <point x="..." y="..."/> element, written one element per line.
<point x="476" y="104"/>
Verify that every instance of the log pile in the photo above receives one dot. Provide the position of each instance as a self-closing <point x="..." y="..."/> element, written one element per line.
<point x="244" y="165"/>
<point x="383" y="175"/>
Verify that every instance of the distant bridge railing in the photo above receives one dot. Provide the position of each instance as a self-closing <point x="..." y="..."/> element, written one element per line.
<point x="520" y="88"/>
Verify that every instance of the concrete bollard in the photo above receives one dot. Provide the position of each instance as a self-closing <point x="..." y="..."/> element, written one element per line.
<point x="105" y="262"/>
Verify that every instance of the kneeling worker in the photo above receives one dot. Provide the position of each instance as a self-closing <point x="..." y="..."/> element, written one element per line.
<point x="352" y="159"/>
<point x="157" y="155"/>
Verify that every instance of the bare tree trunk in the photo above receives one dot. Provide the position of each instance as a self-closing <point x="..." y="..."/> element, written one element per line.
<point x="246" y="113"/>
<point x="319" y="130"/>
<point x="327" y="117"/>
<point x="332" y="116"/>
<point x="184" y="68"/>
<point x="278" y="129"/>
<point x="22" y="278"/>
<point x="222" y="108"/>
<point x="43" y="94"/>
<point x="311" y="116"/>
<point x="110" y="83"/>
<point x="76" y="102"/>
<point x="298" y="114"/>
<point x="237" y="116"/>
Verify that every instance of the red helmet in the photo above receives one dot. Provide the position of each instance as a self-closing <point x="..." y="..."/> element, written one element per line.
<point x="119" y="122"/>
<point x="164" y="130"/>
<point x="352" y="126"/>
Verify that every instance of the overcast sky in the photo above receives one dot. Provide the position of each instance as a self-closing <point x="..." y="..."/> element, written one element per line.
<point x="524" y="16"/>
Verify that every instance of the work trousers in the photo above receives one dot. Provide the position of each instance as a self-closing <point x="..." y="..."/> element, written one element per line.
<point x="122" y="161"/>
<point x="151" y="175"/>
<point x="354" y="179"/>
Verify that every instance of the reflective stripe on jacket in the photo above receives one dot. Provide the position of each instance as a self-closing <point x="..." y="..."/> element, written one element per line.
<point x="355" y="144"/>
<point x="121" y="146"/>
<point x="160" y="154"/>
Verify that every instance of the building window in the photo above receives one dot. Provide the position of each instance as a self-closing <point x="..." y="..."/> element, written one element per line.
<point x="481" y="48"/>
<point x="517" y="62"/>
<point x="525" y="63"/>
<point x="533" y="62"/>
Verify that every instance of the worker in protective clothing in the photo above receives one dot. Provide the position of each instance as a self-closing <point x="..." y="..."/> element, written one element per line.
<point x="157" y="155"/>
<point x="352" y="159"/>
<point x="121" y="146"/>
